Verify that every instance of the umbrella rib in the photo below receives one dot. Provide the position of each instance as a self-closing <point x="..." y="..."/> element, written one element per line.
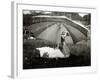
<point x="42" y="29"/>
<point x="83" y="30"/>
<point x="54" y="29"/>
<point x="58" y="30"/>
<point x="71" y="35"/>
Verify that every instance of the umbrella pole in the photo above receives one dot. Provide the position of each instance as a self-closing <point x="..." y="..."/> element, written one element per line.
<point x="57" y="45"/>
<point x="58" y="37"/>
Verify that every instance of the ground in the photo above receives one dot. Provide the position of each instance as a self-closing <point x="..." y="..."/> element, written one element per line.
<point x="80" y="56"/>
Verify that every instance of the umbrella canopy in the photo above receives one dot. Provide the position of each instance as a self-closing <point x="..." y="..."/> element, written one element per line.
<point x="53" y="29"/>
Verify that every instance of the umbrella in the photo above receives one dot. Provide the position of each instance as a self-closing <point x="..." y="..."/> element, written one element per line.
<point x="52" y="29"/>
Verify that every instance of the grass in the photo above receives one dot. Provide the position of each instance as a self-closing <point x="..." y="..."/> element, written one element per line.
<point x="80" y="55"/>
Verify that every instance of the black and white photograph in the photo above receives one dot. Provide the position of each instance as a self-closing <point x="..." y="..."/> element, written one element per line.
<point x="55" y="39"/>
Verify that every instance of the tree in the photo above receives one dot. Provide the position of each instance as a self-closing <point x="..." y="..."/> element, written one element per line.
<point x="27" y="19"/>
<point x="87" y="19"/>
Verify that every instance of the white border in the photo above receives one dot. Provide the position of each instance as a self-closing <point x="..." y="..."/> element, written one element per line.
<point x="17" y="55"/>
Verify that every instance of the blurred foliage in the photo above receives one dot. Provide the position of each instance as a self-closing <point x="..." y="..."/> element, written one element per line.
<point x="27" y="19"/>
<point x="87" y="19"/>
